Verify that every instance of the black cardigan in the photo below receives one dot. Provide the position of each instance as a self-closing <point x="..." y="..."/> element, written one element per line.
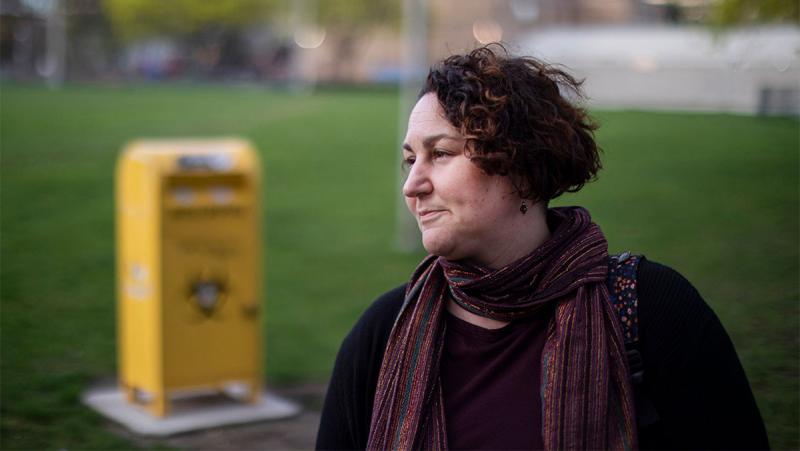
<point x="692" y="376"/>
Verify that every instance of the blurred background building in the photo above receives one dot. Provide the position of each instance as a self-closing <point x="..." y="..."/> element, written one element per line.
<point x="718" y="55"/>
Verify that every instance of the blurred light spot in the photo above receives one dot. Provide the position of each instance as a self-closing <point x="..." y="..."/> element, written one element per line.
<point x="487" y="30"/>
<point x="644" y="64"/>
<point x="238" y="390"/>
<point x="309" y="37"/>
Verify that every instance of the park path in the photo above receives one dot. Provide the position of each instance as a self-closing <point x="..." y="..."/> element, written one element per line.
<point x="296" y="433"/>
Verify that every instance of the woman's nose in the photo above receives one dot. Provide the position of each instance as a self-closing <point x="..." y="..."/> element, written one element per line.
<point x="418" y="182"/>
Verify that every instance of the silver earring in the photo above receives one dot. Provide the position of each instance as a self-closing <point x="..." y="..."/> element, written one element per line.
<point x="523" y="208"/>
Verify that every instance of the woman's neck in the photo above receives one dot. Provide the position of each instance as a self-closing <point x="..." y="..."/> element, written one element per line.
<point x="518" y="239"/>
<point x="477" y="320"/>
<point x="525" y="236"/>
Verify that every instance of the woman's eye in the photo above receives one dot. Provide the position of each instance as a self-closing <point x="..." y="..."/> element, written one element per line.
<point x="440" y="154"/>
<point x="408" y="162"/>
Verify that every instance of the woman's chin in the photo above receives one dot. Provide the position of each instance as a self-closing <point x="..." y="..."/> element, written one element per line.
<point x="436" y="244"/>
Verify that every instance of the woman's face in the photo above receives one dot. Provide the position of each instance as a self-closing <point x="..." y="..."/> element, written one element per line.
<point x="462" y="212"/>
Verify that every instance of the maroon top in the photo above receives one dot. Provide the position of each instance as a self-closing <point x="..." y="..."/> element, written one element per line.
<point x="490" y="383"/>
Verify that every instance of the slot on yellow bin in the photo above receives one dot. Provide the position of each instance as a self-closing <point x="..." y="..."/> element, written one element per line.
<point x="188" y="270"/>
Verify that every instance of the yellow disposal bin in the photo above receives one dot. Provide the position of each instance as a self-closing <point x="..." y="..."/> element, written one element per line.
<point x="188" y="270"/>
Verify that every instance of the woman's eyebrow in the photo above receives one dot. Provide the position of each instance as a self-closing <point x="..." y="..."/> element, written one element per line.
<point x="429" y="141"/>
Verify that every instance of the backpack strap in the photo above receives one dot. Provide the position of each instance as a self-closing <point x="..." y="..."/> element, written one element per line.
<point x="622" y="294"/>
<point x="621" y="282"/>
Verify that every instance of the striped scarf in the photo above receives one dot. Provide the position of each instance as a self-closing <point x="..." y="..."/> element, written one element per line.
<point x="587" y="399"/>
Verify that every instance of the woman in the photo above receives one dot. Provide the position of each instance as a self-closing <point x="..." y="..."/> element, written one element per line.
<point x="510" y="334"/>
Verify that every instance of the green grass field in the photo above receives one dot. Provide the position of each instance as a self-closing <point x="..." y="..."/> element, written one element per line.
<point x="714" y="196"/>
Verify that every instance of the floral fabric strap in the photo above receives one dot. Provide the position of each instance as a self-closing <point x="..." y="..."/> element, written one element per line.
<point x="622" y="293"/>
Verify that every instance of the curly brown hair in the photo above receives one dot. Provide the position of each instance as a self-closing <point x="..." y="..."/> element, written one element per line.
<point x="517" y="121"/>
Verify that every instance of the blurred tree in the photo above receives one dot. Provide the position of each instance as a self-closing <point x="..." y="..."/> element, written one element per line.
<point x="132" y="19"/>
<point x="348" y="22"/>
<point x="91" y="47"/>
<point x="358" y="13"/>
<point x="732" y="12"/>
<point x="205" y="27"/>
<point x="209" y="34"/>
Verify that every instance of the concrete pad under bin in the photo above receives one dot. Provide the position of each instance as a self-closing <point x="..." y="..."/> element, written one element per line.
<point x="188" y="414"/>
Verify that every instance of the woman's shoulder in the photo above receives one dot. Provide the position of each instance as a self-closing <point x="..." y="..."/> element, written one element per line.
<point x="344" y="423"/>
<point x="668" y="301"/>
<point x="656" y="279"/>
<point x="692" y="375"/>
<point x="384" y="309"/>
<point x="677" y="328"/>
<point x="373" y="327"/>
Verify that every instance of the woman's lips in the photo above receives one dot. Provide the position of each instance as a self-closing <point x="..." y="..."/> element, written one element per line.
<point x="429" y="215"/>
